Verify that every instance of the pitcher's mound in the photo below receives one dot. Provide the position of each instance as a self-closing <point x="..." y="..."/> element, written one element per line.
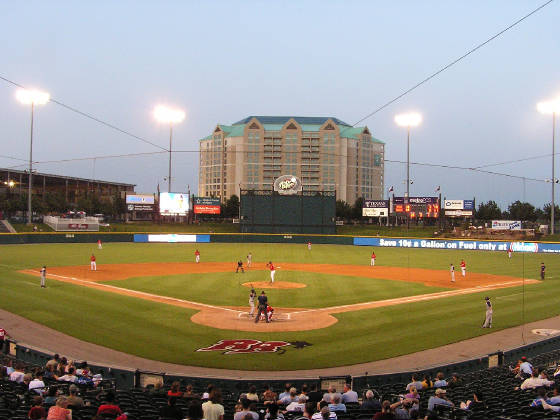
<point x="275" y="285"/>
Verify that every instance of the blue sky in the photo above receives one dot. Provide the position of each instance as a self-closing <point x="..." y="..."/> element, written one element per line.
<point x="224" y="60"/>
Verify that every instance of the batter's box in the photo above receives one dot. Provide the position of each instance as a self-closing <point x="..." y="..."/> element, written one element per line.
<point x="280" y="317"/>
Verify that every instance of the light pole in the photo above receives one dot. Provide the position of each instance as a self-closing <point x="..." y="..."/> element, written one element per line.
<point x="166" y="115"/>
<point x="31" y="97"/>
<point x="551" y="107"/>
<point x="410" y="119"/>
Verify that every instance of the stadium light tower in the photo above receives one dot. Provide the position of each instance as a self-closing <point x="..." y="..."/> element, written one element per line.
<point x="551" y="107"/>
<point x="410" y="119"/>
<point x="167" y="115"/>
<point x="31" y="97"/>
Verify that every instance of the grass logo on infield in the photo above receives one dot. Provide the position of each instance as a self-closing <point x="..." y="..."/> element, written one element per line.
<point x="248" y="346"/>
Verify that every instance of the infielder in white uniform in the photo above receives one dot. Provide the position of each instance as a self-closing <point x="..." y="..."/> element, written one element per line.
<point x="452" y="271"/>
<point x="43" y="276"/>
<point x="249" y="259"/>
<point x="252" y="297"/>
<point x="488" y="320"/>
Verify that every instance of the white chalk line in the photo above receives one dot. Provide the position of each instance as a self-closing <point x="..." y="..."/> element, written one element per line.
<point x="136" y="292"/>
<point x="355" y="306"/>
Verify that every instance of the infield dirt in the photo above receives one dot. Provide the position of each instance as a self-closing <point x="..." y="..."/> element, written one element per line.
<point x="287" y="319"/>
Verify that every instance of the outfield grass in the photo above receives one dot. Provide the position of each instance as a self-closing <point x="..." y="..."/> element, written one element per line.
<point x="166" y="334"/>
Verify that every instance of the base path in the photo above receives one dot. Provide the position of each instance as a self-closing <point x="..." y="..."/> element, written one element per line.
<point x="286" y="319"/>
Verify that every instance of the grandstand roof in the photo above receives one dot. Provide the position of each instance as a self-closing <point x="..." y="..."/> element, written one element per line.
<point x="271" y="119"/>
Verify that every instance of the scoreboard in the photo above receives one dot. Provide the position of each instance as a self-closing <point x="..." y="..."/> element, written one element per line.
<point x="417" y="207"/>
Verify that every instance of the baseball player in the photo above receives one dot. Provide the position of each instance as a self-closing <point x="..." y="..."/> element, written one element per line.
<point x="488" y="319"/>
<point x="92" y="264"/>
<point x="272" y="271"/>
<point x="543" y="270"/>
<point x="197" y="256"/>
<point x="309" y="246"/>
<point x="99" y="244"/>
<point x="510" y="250"/>
<point x="463" y="268"/>
<point x="43" y="276"/>
<point x="239" y="267"/>
<point x="269" y="313"/>
<point x="249" y="259"/>
<point x="263" y="306"/>
<point x="452" y="271"/>
<point x="372" y="263"/>
<point x="252" y="297"/>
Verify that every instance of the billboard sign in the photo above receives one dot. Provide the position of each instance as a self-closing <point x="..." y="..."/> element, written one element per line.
<point x="140" y="202"/>
<point x="375" y="208"/>
<point x="173" y="204"/>
<point x="459" y="213"/>
<point x="458" y="204"/>
<point x="506" y="224"/>
<point x="416" y="200"/>
<point x="287" y="185"/>
<point x="206" y="205"/>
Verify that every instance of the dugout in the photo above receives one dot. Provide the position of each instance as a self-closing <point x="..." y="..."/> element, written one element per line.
<point x="266" y="211"/>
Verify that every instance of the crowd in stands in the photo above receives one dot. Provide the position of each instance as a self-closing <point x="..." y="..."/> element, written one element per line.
<point x="64" y="390"/>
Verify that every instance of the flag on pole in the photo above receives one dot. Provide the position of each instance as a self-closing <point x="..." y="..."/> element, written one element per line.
<point x="438" y="188"/>
<point x="391" y="189"/>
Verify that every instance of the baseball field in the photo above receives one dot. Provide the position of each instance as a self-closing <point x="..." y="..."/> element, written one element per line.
<point x="331" y="307"/>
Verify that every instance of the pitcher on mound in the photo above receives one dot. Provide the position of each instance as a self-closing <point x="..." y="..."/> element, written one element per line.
<point x="272" y="271"/>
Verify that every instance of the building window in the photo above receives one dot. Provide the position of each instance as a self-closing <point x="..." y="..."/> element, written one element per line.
<point x="377" y="160"/>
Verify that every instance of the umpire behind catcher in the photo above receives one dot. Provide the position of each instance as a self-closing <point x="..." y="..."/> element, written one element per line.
<point x="263" y="303"/>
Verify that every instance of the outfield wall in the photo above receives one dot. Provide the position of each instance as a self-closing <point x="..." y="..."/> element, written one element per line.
<point x="394" y="242"/>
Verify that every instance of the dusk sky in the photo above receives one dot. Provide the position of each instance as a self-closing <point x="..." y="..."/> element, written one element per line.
<point x="221" y="61"/>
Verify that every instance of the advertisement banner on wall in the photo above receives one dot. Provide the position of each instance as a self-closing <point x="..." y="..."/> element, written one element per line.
<point x="416" y="200"/>
<point x="458" y="245"/>
<point x="506" y="224"/>
<point x="173" y="204"/>
<point x="206" y="205"/>
<point x="458" y="213"/>
<point x="458" y="204"/>
<point x="375" y="208"/>
<point x="140" y="202"/>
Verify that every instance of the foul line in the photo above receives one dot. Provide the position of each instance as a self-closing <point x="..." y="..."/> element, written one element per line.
<point x="329" y="310"/>
<point x="136" y="292"/>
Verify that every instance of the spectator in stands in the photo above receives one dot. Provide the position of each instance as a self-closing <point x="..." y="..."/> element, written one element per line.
<point x="269" y="396"/>
<point x="455" y="381"/>
<point x="157" y="390"/>
<point x="298" y="405"/>
<point x="331" y="392"/>
<point x="370" y="403"/>
<point x="213" y="409"/>
<point x="515" y="369"/>
<point x="414" y="382"/>
<point x="18" y="374"/>
<point x="59" y="411"/>
<point x="37" y="385"/>
<point x="69" y="377"/>
<point x="206" y="395"/>
<point x="189" y="393"/>
<point x="525" y="368"/>
<point x="54" y="361"/>
<point x="286" y="392"/>
<point x="252" y="394"/>
<point x="108" y="406"/>
<point x="292" y="396"/>
<point x="555" y="399"/>
<point x="73" y="399"/>
<point x="175" y="390"/>
<point x="322" y="408"/>
<point x="245" y="403"/>
<point x="415" y="397"/>
<point x="27" y="378"/>
<point x="541" y="395"/>
<point x="49" y="373"/>
<point x="440" y="380"/>
<point x="304" y="392"/>
<point x="194" y="411"/>
<point x="336" y="404"/>
<point x="9" y="367"/>
<point x="427" y="381"/>
<point x="534" y="382"/>
<point x="61" y="367"/>
<point x="439" y="399"/>
<point x="52" y="395"/>
<point x="272" y="412"/>
<point x="477" y="404"/>
<point x="37" y="411"/>
<point x="83" y="370"/>
<point x="403" y="409"/>
<point x="171" y="411"/>
<point x="349" y="396"/>
<point x="315" y="394"/>
<point x="386" y="412"/>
